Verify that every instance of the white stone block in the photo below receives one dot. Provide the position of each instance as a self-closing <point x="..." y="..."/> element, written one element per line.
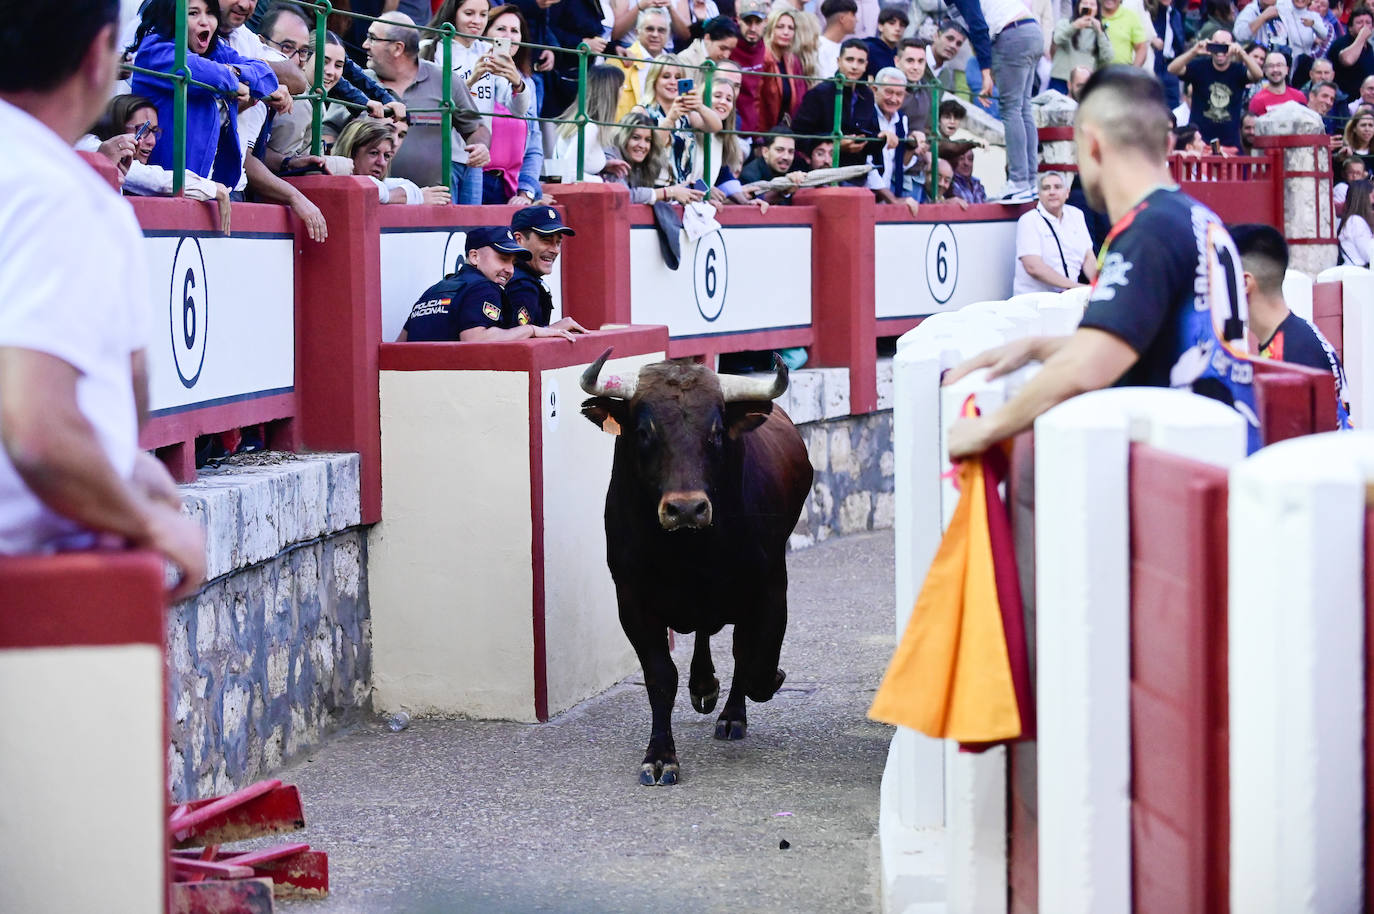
<point x="834" y="393"/>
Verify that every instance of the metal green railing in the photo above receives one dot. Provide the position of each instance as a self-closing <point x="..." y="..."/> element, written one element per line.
<point x="317" y="95"/>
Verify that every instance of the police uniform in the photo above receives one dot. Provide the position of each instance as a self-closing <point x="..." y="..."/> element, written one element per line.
<point x="528" y="298"/>
<point x="466" y="299"/>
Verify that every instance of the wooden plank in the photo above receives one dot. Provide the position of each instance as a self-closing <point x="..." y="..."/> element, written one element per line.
<point x="273" y="811"/>
<point x="236" y="896"/>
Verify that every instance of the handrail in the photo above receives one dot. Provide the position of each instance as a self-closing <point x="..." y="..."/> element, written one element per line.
<point x="316" y="95"/>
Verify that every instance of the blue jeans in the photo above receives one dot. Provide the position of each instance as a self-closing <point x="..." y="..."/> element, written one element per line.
<point x="1015" y="54"/>
<point x="467" y="185"/>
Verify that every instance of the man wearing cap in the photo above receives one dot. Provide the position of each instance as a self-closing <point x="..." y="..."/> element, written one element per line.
<point x="470" y="305"/>
<point x="749" y="53"/>
<point x="528" y="301"/>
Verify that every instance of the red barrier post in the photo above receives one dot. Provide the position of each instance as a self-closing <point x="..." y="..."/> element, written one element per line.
<point x="596" y="261"/>
<point x="338" y="330"/>
<point x="842" y="288"/>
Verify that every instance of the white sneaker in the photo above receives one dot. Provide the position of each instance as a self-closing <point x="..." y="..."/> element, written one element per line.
<point x="1015" y="193"/>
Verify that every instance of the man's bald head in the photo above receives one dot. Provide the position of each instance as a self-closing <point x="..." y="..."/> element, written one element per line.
<point x="1126" y="107"/>
<point x="397" y="26"/>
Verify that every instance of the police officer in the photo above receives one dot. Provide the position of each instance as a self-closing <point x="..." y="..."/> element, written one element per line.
<point x="541" y="232"/>
<point x="470" y="305"/>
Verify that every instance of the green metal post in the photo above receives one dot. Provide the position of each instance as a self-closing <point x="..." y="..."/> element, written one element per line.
<point x="839" y="120"/>
<point x="446" y="106"/>
<point x="709" y="174"/>
<point x="179" y="77"/>
<point x="317" y="92"/>
<point x="582" y="50"/>
<point x="933" y="179"/>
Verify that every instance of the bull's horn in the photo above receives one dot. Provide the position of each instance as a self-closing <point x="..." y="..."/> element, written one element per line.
<point x="736" y="388"/>
<point x="613" y="385"/>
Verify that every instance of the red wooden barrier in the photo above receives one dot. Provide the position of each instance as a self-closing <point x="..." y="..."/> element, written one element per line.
<point x="1179" y="764"/>
<point x="1293" y="400"/>
<point x="1328" y="313"/>
<point x="1369" y="707"/>
<point x="1236" y="188"/>
<point x="1023" y="851"/>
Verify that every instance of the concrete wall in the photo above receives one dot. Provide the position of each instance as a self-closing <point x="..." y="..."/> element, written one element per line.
<point x="275" y="651"/>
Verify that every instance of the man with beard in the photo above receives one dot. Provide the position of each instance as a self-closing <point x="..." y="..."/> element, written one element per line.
<point x="538" y="230"/>
<point x="1149" y="321"/>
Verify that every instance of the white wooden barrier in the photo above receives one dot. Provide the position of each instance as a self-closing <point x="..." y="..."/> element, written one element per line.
<point x="1297" y="293"/>
<point x="1082" y="606"/>
<point x="1296" y="669"/>
<point x="1357" y="338"/>
<point x="928" y="783"/>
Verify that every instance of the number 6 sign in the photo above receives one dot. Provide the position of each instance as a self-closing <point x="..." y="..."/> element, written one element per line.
<point x="942" y="263"/>
<point x="710" y="275"/>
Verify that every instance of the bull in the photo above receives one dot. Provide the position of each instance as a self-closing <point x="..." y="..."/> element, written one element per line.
<point x="707" y="482"/>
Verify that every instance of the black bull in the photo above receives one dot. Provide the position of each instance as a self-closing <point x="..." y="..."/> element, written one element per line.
<point x="707" y="483"/>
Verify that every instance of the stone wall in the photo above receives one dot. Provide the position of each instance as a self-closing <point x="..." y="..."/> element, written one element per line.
<point x="275" y="651"/>
<point x="851" y="455"/>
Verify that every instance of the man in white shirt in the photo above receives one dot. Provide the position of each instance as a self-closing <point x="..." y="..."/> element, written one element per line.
<point x="72" y="362"/>
<point x="840" y="16"/>
<point x="1052" y="242"/>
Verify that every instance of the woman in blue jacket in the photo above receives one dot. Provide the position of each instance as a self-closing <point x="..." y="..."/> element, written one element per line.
<point x="212" y="139"/>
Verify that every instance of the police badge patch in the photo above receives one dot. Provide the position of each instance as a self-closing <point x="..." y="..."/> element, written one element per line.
<point x="491" y="311"/>
<point x="523" y="317"/>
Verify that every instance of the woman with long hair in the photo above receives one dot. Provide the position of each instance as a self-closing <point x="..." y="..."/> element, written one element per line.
<point x="603" y="92"/>
<point x="719" y="35"/>
<point x="212" y="136"/>
<point x="684" y="113"/>
<point x="371" y="143"/>
<point x="786" y="56"/>
<point x="1359" y="139"/>
<point x="1354" y="234"/>
<point x="727" y="150"/>
<point x="517" y="146"/>
<point x="643" y="158"/>
<point x="1079" y="42"/>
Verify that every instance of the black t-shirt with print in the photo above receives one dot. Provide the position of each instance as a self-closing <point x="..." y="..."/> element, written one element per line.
<point x="1218" y="96"/>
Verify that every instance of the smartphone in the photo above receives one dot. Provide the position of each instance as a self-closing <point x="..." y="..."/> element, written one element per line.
<point x="684" y="86"/>
<point x="142" y="130"/>
<point x="501" y="46"/>
<point x="1217" y="47"/>
<point x="1216" y="147"/>
<point x="700" y="185"/>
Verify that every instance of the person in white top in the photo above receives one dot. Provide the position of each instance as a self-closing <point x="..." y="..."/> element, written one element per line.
<point x="72" y="362"/>
<point x="840" y="16"/>
<point x="1052" y="242"/>
<point x="1355" y="232"/>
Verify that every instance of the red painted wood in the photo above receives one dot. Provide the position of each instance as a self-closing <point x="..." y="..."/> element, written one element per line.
<point x="537" y="602"/>
<point x="522" y="355"/>
<point x="173" y="428"/>
<point x="1179" y="764"/>
<point x="1293" y="400"/>
<point x="1369" y="707"/>
<point x="265" y="808"/>
<point x="1328" y="313"/>
<point x="642" y="215"/>
<point x="1023" y="859"/>
<point x="842" y="294"/>
<point x="103" y="167"/>
<point x="220" y="896"/>
<point x="179" y="214"/>
<point x="596" y="261"/>
<point x="50" y="600"/>
<point x="338" y="330"/>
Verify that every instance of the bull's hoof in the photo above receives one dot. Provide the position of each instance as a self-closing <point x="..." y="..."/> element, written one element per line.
<point x="762" y="695"/>
<point x="731" y="728"/>
<point x="660" y="774"/>
<point x="706" y="703"/>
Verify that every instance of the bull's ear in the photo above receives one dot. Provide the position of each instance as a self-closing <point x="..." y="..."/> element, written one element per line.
<point x="606" y="413"/>
<point x="746" y="415"/>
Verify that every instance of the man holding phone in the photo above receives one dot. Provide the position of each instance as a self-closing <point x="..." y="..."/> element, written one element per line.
<point x="1218" y="85"/>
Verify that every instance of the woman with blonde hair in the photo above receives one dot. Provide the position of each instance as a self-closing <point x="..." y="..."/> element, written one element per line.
<point x="603" y="92"/>
<point x="640" y="158"/>
<point x="371" y="143"/>
<point x="684" y="113"/>
<point x="790" y="55"/>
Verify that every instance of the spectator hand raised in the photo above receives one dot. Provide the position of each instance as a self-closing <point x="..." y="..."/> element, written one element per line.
<point x="595" y="45"/>
<point x="280" y="100"/>
<point x="394" y="110"/>
<point x="119" y="150"/>
<point x="438" y="195"/>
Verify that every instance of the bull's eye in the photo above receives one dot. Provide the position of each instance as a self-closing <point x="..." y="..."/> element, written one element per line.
<point x="645" y="438"/>
<point x="717" y="436"/>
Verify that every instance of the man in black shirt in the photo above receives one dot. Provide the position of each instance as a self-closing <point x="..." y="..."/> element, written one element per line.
<point x="1219" y="84"/>
<point x="1151" y="321"/>
<point x="528" y="301"/>
<point x="1352" y="55"/>
<point x="858" y="112"/>
<point x="1282" y="335"/>
<point x="470" y="305"/>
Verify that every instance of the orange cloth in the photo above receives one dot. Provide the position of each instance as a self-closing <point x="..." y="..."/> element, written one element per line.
<point x="951" y="675"/>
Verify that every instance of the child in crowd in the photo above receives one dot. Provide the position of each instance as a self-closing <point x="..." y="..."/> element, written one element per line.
<point x="952" y="115"/>
<point x="1352" y="169"/>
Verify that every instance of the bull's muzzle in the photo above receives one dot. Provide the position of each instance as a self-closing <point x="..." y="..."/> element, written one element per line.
<point x="684" y="510"/>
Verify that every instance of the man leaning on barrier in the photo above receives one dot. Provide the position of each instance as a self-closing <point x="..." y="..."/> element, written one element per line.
<point x="1150" y="322"/>
<point x="73" y="384"/>
<point x="538" y="230"/>
<point x="470" y="306"/>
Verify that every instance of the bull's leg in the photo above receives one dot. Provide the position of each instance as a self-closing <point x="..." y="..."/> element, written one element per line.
<point x="660" y="765"/>
<point x="702" y="684"/>
<point x="733" y="721"/>
<point x="758" y="645"/>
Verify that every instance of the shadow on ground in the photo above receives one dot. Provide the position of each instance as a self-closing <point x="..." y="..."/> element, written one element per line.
<point x="479" y="816"/>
